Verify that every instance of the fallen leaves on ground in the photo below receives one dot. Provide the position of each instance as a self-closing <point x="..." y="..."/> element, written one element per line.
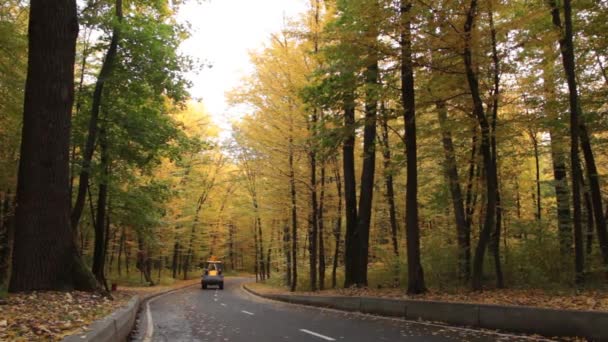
<point x="585" y="300"/>
<point x="49" y="316"/>
<point x="150" y="290"/>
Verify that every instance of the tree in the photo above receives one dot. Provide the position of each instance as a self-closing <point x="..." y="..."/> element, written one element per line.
<point x="45" y="255"/>
<point x="415" y="273"/>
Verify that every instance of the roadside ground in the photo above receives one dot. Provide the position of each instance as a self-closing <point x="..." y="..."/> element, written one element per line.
<point x="591" y="300"/>
<point x="50" y="316"/>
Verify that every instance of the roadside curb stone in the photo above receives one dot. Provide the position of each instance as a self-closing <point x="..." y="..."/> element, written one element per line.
<point x="592" y="325"/>
<point x="117" y="326"/>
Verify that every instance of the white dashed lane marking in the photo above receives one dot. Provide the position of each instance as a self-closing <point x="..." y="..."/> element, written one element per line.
<point x="326" y="338"/>
<point x="247" y="312"/>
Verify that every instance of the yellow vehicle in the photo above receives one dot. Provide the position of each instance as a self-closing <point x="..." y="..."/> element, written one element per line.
<point x="212" y="274"/>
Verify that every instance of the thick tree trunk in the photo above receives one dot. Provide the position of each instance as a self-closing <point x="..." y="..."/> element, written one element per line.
<point x="89" y="147"/>
<point x="45" y="256"/>
<point x="416" y="283"/>
<point x="451" y="168"/>
<point x="567" y="52"/>
<point x="367" y="179"/>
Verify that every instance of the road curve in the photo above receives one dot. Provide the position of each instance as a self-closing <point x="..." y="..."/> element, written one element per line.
<point x="233" y="315"/>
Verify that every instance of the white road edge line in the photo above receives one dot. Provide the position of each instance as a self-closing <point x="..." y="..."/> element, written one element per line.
<point x="150" y="325"/>
<point x="327" y="338"/>
<point x="247" y="312"/>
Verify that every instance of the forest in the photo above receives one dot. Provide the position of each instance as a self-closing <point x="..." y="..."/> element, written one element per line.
<point x="387" y="143"/>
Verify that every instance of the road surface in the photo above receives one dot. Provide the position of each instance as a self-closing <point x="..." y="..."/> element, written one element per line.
<point x="233" y="315"/>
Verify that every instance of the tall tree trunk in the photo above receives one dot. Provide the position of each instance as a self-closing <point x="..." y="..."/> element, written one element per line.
<point x="287" y="252"/>
<point x="256" y="264"/>
<point x="350" y="192"/>
<point x="174" y="266"/>
<point x="489" y="224"/>
<point x="451" y="168"/>
<point x="534" y="139"/>
<point x="321" y="230"/>
<point x="121" y="247"/>
<point x="313" y="224"/>
<point x="99" y="253"/>
<point x="567" y="52"/>
<point x="260" y="238"/>
<point x="588" y="217"/>
<point x="7" y="232"/>
<point x="388" y="181"/>
<point x="269" y="252"/>
<point x="294" y="213"/>
<point x="414" y="267"/>
<point x="143" y="260"/>
<point x="89" y="147"/>
<point x="558" y="156"/>
<point x="596" y="194"/>
<point x="495" y="97"/>
<point x="471" y="194"/>
<point x="45" y="256"/>
<point x="337" y="228"/>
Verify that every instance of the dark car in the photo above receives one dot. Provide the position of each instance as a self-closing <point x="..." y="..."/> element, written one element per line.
<point x="212" y="274"/>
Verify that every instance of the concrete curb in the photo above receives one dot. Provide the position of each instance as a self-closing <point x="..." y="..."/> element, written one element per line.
<point x="117" y="326"/>
<point x="114" y="327"/>
<point x="520" y="319"/>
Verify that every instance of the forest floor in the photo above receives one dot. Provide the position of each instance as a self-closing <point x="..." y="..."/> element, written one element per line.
<point x="588" y="300"/>
<point x="50" y="316"/>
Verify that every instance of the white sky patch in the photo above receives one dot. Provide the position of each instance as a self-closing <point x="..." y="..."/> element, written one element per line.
<point x="223" y="31"/>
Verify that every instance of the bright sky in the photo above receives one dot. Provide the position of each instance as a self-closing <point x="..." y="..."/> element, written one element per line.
<point x="223" y="31"/>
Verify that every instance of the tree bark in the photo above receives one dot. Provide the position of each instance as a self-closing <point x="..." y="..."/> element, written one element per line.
<point x="495" y="97"/>
<point x="99" y="253"/>
<point x="595" y="191"/>
<point x="294" y="213"/>
<point x="388" y="181"/>
<point x="350" y="192"/>
<point x="416" y="283"/>
<point x="313" y="224"/>
<point x="567" y="52"/>
<point x="89" y="148"/>
<point x="45" y="256"/>
<point x="489" y="224"/>
<point x="321" y="230"/>
<point x="337" y="228"/>
<point x="451" y="168"/>
<point x="558" y="157"/>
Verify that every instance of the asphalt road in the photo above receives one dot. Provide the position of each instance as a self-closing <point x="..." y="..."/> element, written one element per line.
<point x="234" y="315"/>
